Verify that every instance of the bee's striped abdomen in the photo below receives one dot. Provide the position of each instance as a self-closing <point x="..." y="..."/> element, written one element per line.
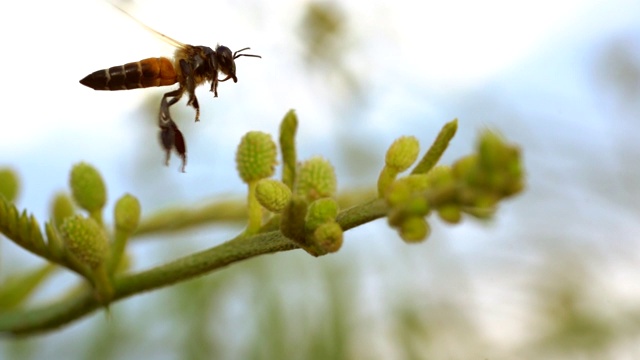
<point x="144" y="73"/>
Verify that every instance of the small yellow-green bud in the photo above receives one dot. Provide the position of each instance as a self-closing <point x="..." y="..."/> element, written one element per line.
<point x="417" y="206"/>
<point x="9" y="184"/>
<point x="316" y="179"/>
<point x="321" y="211"/>
<point x="328" y="237"/>
<point x="273" y="195"/>
<point x="256" y="156"/>
<point x="87" y="187"/>
<point x="61" y="208"/>
<point x="440" y="176"/>
<point x="127" y="213"/>
<point x="414" y="229"/>
<point x="402" y="153"/>
<point x="398" y="192"/>
<point x="466" y="169"/>
<point x="450" y="213"/>
<point x="492" y="150"/>
<point x="85" y="240"/>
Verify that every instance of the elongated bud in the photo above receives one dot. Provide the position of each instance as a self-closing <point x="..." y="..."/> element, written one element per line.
<point x="87" y="187"/>
<point x="85" y="240"/>
<point x="9" y="184"/>
<point x="316" y="179"/>
<point x="127" y="213"/>
<point x="61" y="208"/>
<point x="273" y="195"/>
<point x="256" y="156"/>
<point x="288" y="129"/>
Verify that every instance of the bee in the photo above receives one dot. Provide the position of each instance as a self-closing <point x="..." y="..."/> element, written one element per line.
<point x="190" y="67"/>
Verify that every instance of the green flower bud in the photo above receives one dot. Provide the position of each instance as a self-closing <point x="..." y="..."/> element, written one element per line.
<point x="402" y="153"/>
<point x="414" y="229"/>
<point x="273" y="195"/>
<point x="466" y="169"/>
<point x="417" y="206"/>
<point x="492" y="150"/>
<point x="256" y="156"/>
<point x="328" y="237"/>
<point x="85" y="240"/>
<point x="450" y="213"/>
<point x="440" y="176"/>
<point x="127" y="213"/>
<point x="9" y="184"/>
<point x="316" y="179"/>
<point x="61" y="208"/>
<point x="398" y="192"/>
<point x="87" y="187"/>
<point x="321" y="211"/>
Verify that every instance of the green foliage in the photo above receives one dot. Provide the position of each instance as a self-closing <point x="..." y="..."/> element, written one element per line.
<point x="301" y="211"/>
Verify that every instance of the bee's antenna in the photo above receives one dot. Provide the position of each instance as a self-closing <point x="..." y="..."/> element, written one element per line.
<point x="236" y="55"/>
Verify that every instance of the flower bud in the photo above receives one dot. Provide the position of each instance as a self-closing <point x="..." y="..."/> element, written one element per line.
<point x="85" y="240"/>
<point x="402" y="153"/>
<point x="256" y="156"/>
<point x="321" y="211"/>
<point x="414" y="229"/>
<point x="273" y="195"/>
<point x="87" y="187"/>
<point x="127" y="213"/>
<point x="450" y="213"/>
<point x="316" y="179"/>
<point x="9" y="184"/>
<point x="328" y="237"/>
<point x="61" y="208"/>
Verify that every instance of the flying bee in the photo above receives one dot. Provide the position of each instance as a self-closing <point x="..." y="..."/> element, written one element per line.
<point x="191" y="67"/>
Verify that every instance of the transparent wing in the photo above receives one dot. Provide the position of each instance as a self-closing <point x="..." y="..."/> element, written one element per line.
<point x="169" y="40"/>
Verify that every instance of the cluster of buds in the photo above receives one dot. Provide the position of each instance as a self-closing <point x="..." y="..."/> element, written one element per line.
<point x="473" y="185"/>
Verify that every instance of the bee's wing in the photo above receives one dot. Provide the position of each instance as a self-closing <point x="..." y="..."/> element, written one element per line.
<point x="163" y="37"/>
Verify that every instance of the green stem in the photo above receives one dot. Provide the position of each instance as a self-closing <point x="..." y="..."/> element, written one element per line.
<point x="255" y="210"/>
<point x="117" y="250"/>
<point x="31" y="321"/>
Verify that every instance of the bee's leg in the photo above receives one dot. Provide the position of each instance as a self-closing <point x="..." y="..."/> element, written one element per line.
<point x="170" y="135"/>
<point x="190" y="85"/>
<point x="214" y="84"/>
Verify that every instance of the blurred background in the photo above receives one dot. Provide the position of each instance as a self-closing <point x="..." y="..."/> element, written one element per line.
<point x="554" y="275"/>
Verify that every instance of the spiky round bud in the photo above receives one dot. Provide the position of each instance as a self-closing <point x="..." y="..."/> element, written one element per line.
<point x="328" y="237"/>
<point x="316" y="179"/>
<point x="414" y="229"/>
<point x="85" y="240"/>
<point x="61" y="208"/>
<point x="9" y="184"/>
<point x="273" y="195"/>
<point x="127" y="213"/>
<point x="87" y="187"/>
<point x="321" y="211"/>
<point x="402" y="153"/>
<point x="256" y="156"/>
